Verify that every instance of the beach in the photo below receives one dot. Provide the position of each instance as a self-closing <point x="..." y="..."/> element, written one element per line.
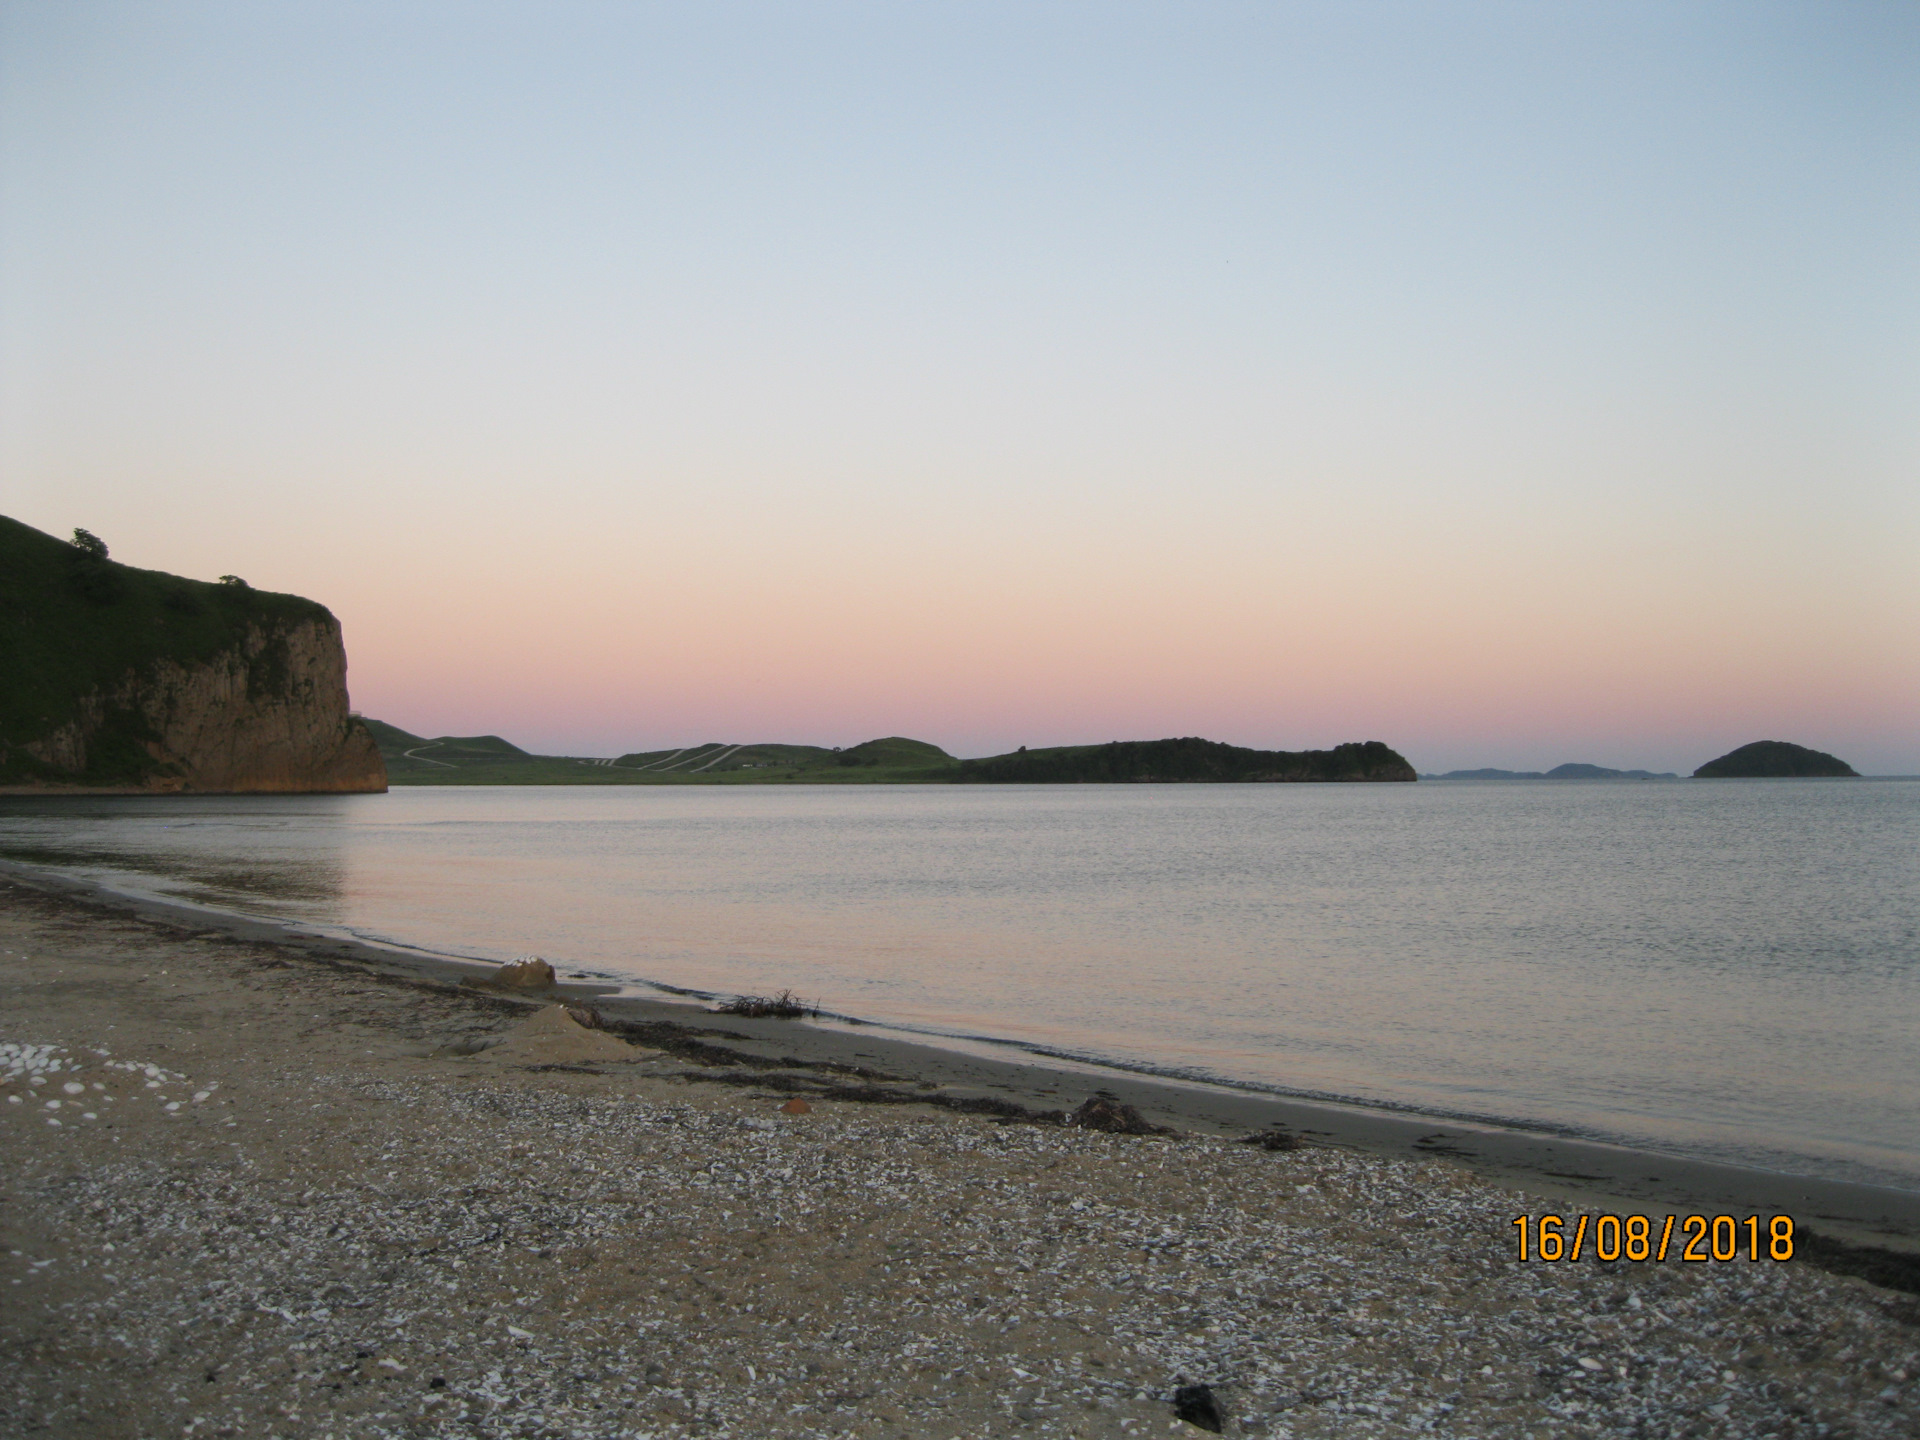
<point x="273" y="1185"/>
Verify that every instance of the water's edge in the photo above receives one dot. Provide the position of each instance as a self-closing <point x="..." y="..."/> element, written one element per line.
<point x="1542" y="1162"/>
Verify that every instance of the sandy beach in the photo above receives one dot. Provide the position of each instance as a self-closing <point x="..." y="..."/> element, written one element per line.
<point x="260" y="1185"/>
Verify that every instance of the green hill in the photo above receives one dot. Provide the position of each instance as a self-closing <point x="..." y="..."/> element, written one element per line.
<point x="890" y="760"/>
<point x="1774" y="760"/>
<point x="489" y="760"/>
<point x="1188" y="759"/>
<point x="894" y="752"/>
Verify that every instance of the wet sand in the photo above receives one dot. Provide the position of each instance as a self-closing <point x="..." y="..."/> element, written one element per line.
<point x="375" y="1200"/>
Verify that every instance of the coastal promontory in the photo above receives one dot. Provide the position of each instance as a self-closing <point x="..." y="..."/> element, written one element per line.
<point x="1775" y="760"/>
<point x="1187" y="759"/>
<point x="115" y="678"/>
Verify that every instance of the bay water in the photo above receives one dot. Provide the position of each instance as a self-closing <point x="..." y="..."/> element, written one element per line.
<point x="1727" y="970"/>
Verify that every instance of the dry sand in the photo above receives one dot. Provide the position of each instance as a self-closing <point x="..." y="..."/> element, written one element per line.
<point x="302" y="1191"/>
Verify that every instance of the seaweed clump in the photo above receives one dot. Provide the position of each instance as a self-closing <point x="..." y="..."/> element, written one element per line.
<point x="784" y="1006"/>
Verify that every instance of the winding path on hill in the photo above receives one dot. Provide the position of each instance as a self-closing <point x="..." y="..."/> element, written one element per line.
<point x="414" y="754"/>
<point x="656" y="764"/>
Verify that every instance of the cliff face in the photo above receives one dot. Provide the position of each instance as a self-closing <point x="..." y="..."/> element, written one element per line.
<point x="268" y="715"/>
<point x="123" y="679"/>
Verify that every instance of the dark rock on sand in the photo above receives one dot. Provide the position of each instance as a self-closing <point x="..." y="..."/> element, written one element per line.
<point x="1197" y="1405"/>
<point x="530" y="973"/>
<point x="1104" y="1112"/>
<point x="1273" y="1140"/>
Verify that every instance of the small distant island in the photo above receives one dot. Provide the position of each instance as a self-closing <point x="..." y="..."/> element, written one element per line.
<point x="1571" y="771"/>
<point x="1776" y="760"/>
<point x="489" y="760"/>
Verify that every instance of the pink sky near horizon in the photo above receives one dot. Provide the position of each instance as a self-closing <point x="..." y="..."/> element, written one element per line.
<point x="1515" y="386"/>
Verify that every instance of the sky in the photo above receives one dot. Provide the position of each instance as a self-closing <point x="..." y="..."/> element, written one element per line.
<point x="1512" y="383"/>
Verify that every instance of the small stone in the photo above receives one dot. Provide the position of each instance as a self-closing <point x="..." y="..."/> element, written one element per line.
<point x="1273" y="1140"/>
<point x="529" y="972"/>
<point x="1107" y="1112"/>
<point x="796" y="1106"/>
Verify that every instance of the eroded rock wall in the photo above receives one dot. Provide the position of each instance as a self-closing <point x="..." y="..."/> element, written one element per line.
<point x="269" y="714"/>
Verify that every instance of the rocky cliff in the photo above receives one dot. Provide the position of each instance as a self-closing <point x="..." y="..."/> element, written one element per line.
<point x="124" y="679"/>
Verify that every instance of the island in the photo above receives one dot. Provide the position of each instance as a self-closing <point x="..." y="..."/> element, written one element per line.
<point x="1776" y="760"/>
<point x="129" y="680"/>
<point x="1570" y="771"/>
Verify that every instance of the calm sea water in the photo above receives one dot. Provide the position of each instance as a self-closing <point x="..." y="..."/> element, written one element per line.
<point x="1729" y="970"/>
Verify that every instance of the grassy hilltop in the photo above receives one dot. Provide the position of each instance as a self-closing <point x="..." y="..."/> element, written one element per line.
<point x="489" y="760"/>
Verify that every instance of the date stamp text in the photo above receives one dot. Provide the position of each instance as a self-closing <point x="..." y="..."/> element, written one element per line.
<point x="1701" y="1238"/>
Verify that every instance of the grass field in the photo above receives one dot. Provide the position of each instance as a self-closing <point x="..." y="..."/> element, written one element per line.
<point x="489" y="760"/>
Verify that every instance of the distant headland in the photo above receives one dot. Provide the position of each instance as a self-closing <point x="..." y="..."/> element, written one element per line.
<point x="1775" y="760"/>
<point x="489" y="760"/>
<point x="1572" y="771"/>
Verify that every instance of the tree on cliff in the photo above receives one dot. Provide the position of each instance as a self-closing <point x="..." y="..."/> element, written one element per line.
<point x="93" y="575"/>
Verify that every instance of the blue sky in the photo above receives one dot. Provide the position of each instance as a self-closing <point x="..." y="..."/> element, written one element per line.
<point x="1516" y="383"/>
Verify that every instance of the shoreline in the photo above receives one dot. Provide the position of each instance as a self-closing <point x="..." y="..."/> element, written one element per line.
<point x="255" y="1184"/>
<point x="1590" y="1174"/>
